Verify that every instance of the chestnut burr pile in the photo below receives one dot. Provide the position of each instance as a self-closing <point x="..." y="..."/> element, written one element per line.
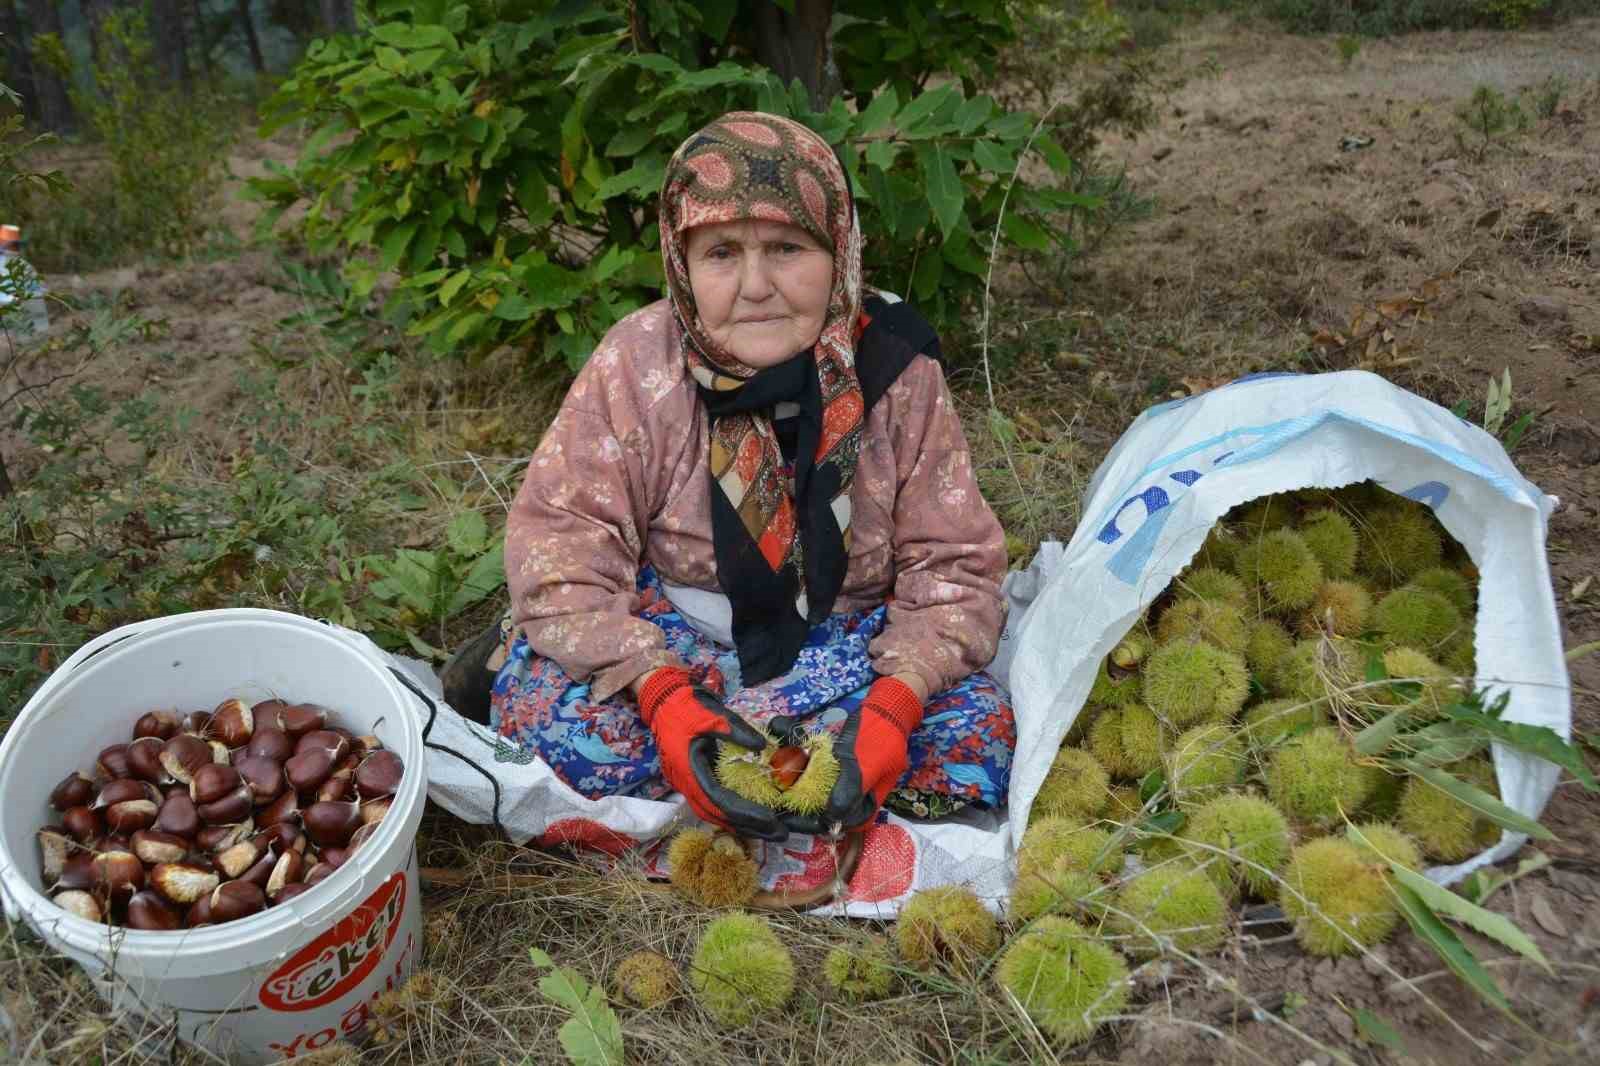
<point x="213" y="816"/>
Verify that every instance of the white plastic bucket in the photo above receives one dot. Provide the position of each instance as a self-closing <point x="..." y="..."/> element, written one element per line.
<point x="286" y="981"/>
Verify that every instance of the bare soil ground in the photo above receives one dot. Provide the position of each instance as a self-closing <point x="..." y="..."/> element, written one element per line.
<point x="1433" y="260"/>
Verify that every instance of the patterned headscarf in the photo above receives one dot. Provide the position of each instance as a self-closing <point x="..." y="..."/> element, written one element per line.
<point x="781" y="550"/>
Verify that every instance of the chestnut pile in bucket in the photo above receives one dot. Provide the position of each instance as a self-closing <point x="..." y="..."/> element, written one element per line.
<point x="212" y="816"/>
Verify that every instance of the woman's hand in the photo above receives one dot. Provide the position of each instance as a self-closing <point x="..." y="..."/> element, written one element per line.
<point x="871" y="750"/>
<point x="688" y="722"/>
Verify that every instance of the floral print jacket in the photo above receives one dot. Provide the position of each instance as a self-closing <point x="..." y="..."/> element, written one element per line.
<point x="621" y="478"/>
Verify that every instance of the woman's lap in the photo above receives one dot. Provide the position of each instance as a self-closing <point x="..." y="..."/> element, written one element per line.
<point x="960" y="755"/>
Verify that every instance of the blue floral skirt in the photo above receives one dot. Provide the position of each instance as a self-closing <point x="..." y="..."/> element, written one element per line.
<point x="959" y="756"/>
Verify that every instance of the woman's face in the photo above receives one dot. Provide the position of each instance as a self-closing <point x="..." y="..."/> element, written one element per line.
<point x="761" y="288"/>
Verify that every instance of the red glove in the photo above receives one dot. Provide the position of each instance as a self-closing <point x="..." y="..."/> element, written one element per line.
<point x="687" y="722"/>
<point x="872" y="756"/>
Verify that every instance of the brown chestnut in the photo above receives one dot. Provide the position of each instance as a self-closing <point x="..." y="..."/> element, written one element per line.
<point x="54" y="847"/>
<point x="233" y="900"/>
<point x="178" y="816"/>
<point x="290" y="891"/>
<point x="286" y="870"/>
<point x="220" y="837"/>
<point x="236" y="859"/>
<point x="284" y="809"/>
<point x="75" y="790"/>
<point x="366" y="744"/>
<point x="336" y="857"/>
<point x="309" y="769"/>
<point x="77" y="871"/>
<point x="130" y="816"/>
<point x="231" y="809"/>
<point x="148" y="911"/>
<point x="183" y="882"/>
<point x="233" y="723"/>
<point x="124" y="789"/>
<point x="301" y="718"/>
<point x="119" y="873"/>
<point x="374" y="811"/>
<point x="379" y="774"/>
<point x="362" y="835"/>
<point x="213" y="781"/>
<point x="163" y="725"/>
<point x="283" y="837"/>
<point x="113" y="762"/>
<point x="199" y="912"/>
<point x="144" y="760"/>
<point x="183" y="755"/>
<point x="84" y="823"/>
<point x="263" y="775"/>
<point x="260" y="873"/>
<point x="270" y="742"/>
<point x="332" y="823"/>
<point x="153" y="846"/>
<point x="319" y="872"/>
<point x="323" y="738"/>
<point x="77" y="902"/>
<point x="198" y="723"/>
<point x="340" y="786"/>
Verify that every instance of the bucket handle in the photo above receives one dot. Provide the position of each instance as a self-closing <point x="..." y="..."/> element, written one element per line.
<point x="94" y="646"/>
<point x="433" y="712"/>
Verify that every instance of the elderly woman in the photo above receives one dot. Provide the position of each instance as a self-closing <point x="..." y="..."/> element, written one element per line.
<point x="756" y="510"/>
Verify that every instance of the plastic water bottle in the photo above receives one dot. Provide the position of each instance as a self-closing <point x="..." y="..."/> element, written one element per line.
<point x="22" y="301"/>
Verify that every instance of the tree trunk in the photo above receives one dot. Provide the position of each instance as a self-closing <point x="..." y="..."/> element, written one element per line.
<point x="196" y="36"/>
<point x="248" y="25"/>
<point x="798" y="45"/>
<point x="19" y="65"/>
<point x="55" y="108"/>
<point x="172" y="48"/>
<point x="95" y="13"/>
<point x="338" y="16"/>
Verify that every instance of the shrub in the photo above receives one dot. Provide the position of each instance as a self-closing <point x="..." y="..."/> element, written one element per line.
<point x="504" y="160"/>
<point x="160" y="187"/>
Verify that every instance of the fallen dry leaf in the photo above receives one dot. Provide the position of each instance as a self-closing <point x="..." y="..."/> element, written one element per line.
<point x="1546" y="916"/>
<point x="1579" y="588"/>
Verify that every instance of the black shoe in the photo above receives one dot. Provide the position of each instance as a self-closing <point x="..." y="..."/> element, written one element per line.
<point x="467" y="678"/>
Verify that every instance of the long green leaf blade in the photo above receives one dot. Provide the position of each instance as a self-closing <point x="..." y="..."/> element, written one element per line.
<point x="945" y="194"/>
<point x="1537" y="740"/>
<point x="1480" y="801"/>
<point x="1494" y="926"/>
<point x="1455" y="954"/>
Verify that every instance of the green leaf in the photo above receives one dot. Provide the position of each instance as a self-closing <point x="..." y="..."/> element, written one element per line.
<point x="448" y="290"/>
<point x="513" y="307"/>
<point x="1025" y="233"/>
<point x="1054" y="154"/>
<point x="403" y="35"/>
<point x="919" y="109"/>
<point x="629" y="140"/>
<point x="1153" y="782"/>
<point x="973" y="113"/>
<point x="467" y="534"/>
<point x="1377" y="1031"/>
<point x="487" y="574"/>
<point x="592" y="1036"/>
<point x="394" y="245"/>
<point x="1443" y="743"/>
<point x="644" y="178"/>
<point x="945" y="193"/>
<point x="1480" y="801"/>
<point x="1482" y="883"/>
<point x="1494" y="926"/>
<point x="1377" y="737"/>
<point x="882" y="154"/>
<point x="716" y="16"/>
<point x="879" y="112"/>
<point x="994" y="157"/>
<point x="1449" y="947"/>
<point x="1537" y="740"/>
